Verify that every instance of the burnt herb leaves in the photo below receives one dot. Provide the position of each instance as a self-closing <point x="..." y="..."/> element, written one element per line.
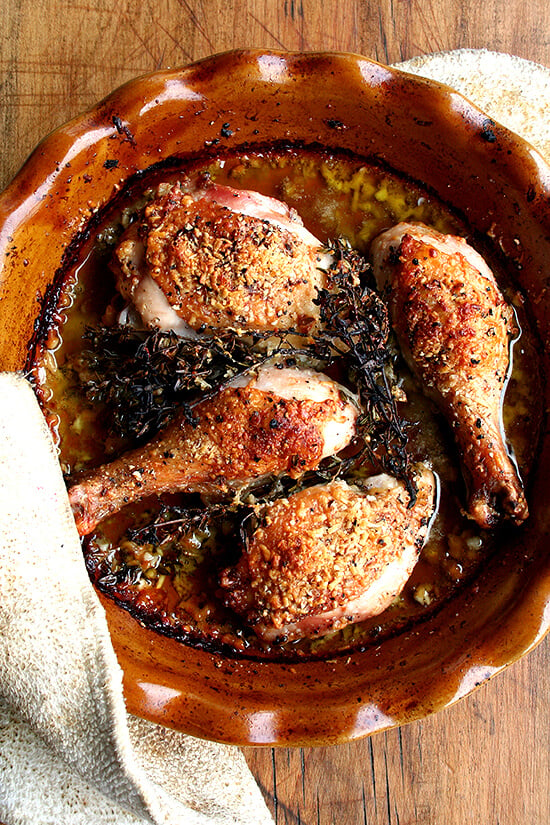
<point x="173" y="521"/>
<point x="354" y="319"/>
<point x="143" y="377"/>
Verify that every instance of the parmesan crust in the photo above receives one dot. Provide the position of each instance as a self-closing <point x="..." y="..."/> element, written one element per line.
<point x="240" y="434"/>
<point x="329" y="555"/>
<point x="218" y="267"/>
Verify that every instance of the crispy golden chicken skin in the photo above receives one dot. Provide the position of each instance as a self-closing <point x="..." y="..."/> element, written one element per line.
<point x="455" y="328"/>
<point x="276" y="421"/>
<point x="330" y="555"/>
<point x="220" y="257"/>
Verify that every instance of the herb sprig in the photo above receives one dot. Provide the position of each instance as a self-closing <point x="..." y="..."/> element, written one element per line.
<point x="354" y="319"/>
<point x="144" y="377"/>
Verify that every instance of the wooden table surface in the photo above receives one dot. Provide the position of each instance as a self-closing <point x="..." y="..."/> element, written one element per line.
<point x="487" y="759"/>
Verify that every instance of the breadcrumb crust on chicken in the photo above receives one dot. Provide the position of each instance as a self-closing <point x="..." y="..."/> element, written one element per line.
<point x="323" y="548"/>
<point x="222" y="268"/>
<point x="458" y="327"/>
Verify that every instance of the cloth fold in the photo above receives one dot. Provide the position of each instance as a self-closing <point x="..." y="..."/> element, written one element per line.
<point x="68" y="751"/>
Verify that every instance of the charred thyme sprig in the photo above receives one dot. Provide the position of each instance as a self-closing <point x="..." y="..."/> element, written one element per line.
<point x="173" y="521"/>
<point x="143" y="377"/>
<point x="354" y="320"/>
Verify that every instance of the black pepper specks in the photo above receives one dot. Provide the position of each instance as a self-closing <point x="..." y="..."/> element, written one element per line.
<point x="123" y="129"/>
<point x="332" y="123"/>
<point x="487" y="131"/>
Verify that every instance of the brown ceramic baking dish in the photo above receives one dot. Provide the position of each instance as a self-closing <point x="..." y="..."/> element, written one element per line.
<point x="416" y="127"/>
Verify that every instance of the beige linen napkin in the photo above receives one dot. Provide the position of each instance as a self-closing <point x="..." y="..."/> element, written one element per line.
<point x="68" y="751"/>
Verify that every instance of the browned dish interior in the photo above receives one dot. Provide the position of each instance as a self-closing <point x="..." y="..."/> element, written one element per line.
<point x="419" y="129"/>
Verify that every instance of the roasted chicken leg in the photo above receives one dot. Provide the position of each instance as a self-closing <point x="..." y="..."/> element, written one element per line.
<point x="330" y="555"/>
<point x="455" y="328"/>
<point x="272" y="422"/>
<point x="220" y="257"/>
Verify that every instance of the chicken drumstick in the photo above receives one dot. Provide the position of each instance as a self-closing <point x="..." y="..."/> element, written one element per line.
<point x="275" y="421"/>
<point x="454" y="328"/>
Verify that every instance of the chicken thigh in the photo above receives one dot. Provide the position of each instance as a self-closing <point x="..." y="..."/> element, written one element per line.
<point x="220" y="257"/>
<point x="330" y="555"/>
<point x="455" y="329"/>
<point x="278" y="420"/>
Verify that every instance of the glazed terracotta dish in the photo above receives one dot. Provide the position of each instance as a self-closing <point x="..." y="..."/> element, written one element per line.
<point x="413" y="224"/>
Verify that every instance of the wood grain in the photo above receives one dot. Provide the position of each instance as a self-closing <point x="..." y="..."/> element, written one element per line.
<point x="58" y="57"/>
<point x="487" y="759"/>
